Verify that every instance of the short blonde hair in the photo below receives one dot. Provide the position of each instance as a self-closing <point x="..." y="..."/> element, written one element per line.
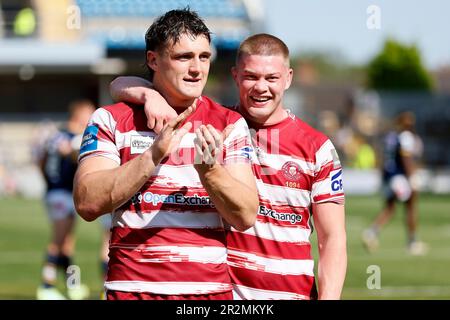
<point x="263" y="44"/>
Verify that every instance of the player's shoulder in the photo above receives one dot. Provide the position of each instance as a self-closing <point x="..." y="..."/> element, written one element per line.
<point x="309" y="134"/>
<point x="121" y="116"/>
<point x="317" y="145"/>
<point x="406" y="135"/>
<point x="219" y="110"/>
<point x="407" y="140"/>
<point x="120" y="109"/>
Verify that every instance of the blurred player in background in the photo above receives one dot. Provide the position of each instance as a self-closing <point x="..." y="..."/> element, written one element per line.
<point x="299" y="176"/>
<point x="58" y="162"/>
<point x="169" y="192"/>
<point x="402" y="149"/>
<point x="40" y="136"/>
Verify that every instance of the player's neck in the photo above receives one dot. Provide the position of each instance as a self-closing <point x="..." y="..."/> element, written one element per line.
<point x="278" y="116"/>
<point x="179" y="110"/>
<point x="175" y="102"/>
<point x="178" y="104"/>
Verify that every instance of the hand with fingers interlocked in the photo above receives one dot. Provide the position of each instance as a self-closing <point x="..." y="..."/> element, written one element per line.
<point x="209" y="146"/>
<point x="171" y="135"/>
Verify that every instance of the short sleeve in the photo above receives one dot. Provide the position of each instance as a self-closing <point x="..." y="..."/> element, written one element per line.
<point x="407" y="143"/>
<point x="327" y="184"/>
<point x="237" y="146"/>
<point x="98" y="138"/>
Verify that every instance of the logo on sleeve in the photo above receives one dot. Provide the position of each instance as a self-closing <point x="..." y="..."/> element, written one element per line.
<point x="247" y="152"/>
<point x="90" y="139"/>
<point x="139" y="144"/>
<point x="336" y="181"/>
<point x="260" y="154"/>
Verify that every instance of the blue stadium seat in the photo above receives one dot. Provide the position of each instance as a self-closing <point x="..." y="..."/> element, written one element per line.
<point x="151" y="8"/>
<point x="233" y="9"/>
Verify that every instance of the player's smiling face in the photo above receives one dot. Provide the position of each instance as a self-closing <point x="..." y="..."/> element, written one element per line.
<point x="261" y="81"/>
<point x="181" y="69"/>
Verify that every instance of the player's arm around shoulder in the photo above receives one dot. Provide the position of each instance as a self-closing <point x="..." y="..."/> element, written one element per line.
<point x="141" y="92"/>
<point x="329" y="221"/>
<point x="128" y="88"/>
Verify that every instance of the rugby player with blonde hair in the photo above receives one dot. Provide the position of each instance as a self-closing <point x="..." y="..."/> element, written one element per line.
<point x="299" y="180"/>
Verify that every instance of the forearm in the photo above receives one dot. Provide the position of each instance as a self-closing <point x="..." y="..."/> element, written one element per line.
<point x="236" y="202"/>
<point x="130" y="89"/>
<point x="101" y="185"/>
<point x="408" y="164"/>
<point x="332" y="266"/>
<point x="100" y="192"/>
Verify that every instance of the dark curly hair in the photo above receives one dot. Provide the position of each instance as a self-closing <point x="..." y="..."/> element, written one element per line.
<point x="168" y="28"/>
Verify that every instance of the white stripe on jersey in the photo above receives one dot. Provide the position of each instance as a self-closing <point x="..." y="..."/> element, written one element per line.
<point x="204" y="254"/>
<point x="277" y="266"/>
<point x="276" y="162"/>
<point x="324" y="155"/>
<point x="339" y="199"/>
<point x="321" y="187"/>
<point x="104" y="118"/>
<point x="104" y="149"/>
<point x="180" y="175"/>
<point x="171" y="287"/>
<point x="278" y="233"/>
<point x="240" y="130"/>
<point x="241" y="292"/>
<point x="167" y="219"/>
<point x="123" y="140"/>
<point x="281" y="195"/>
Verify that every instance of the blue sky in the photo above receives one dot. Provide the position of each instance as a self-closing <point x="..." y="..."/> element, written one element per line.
<point x="340" y="25"/>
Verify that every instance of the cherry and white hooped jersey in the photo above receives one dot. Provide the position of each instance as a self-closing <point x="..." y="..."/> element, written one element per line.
<point x="169" y="237"/>
<point x="295" y="166"/>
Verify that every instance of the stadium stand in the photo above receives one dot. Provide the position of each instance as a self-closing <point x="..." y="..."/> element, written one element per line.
<point x="127" y="20"/>
<point x="74" y="48"/>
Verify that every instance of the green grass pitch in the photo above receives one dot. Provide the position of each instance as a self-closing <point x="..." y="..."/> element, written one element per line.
<point x="24" y="232"/>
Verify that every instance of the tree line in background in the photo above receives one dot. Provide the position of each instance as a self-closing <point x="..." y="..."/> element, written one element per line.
<point x="397" y="67"/>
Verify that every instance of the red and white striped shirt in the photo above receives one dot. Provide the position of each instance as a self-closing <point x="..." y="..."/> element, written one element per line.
<point x="169" y="238"/>
<point x="295" y="166"/>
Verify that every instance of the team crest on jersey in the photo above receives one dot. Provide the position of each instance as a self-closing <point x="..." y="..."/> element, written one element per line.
<point x="291" y="171"/>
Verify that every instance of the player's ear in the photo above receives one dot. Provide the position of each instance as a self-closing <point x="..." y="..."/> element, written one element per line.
<point x="151" y="60"/>
<point x="234" y="74"/>
<point x="289" y="78"/>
